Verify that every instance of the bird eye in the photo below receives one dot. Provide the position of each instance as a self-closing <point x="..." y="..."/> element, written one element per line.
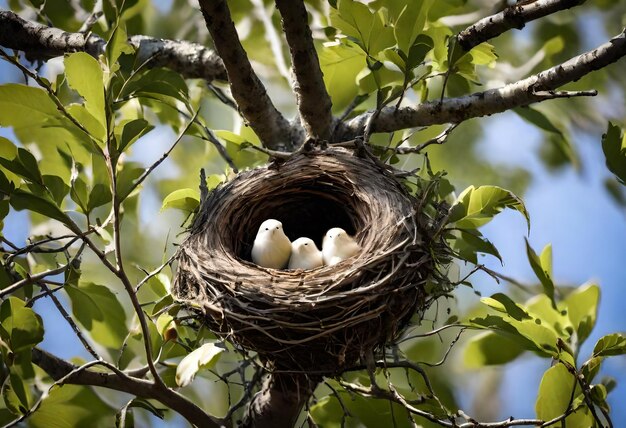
<point x="267" y="228"/>
<point x="306" y="243"/>
<point x="277" y="227"/>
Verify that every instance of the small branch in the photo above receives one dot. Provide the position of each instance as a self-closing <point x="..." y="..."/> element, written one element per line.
<point x="314" y="103"/>
<point x="515" y="16"/>
<point x="164" y="156"/>
<point x="255" y="105"/>
<point x="536" y="88"/>
<point x="154" y="273"/>
<point x="59" y="369"/>
<point x="70" y="321"/>
<point x="439" y="139"/>
<point x="39" y="42"/>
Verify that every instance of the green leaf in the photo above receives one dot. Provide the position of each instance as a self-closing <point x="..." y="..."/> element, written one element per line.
<point x="542" y="266"/>
<point x="364" y="26"/>
<point x="80" y="193"/>
<point x="99" y="195"/>
<point x="490" y="349"/>
<point x="158" y="83"/>
<point x="57" y="188"/>
<point x="21" y="327"/>
<point x="555" y="391"/>
<point x="205" y="356"/>
<point x="84" y="75"/>
<point x="503" y="303"/>
<point x="614" y="147"/>
<point x="116" y="46"/>
<point x="477" y="206"/>
<point x="98" y="310"/>
<point x="132" y="131"/>
<point x="11" y="395"/>
<point x="341" y="63"/>
<point x="24" y="106"/>
<point x="30" y="164"/>
<point x="183" y="199"/>
<point x="72" y="406"/>
<point x="609" y="345"/>
<point x="127" y="177"/>
<point x="470" y="243"/>
<point x="582" y="309"/>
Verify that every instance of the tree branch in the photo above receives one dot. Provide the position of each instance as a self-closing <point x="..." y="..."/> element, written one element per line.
<point x="280" y="401"/>
<point x="515" y="16"/>
<point x="40" y="42"/>
<point x="533" y="89"/>
<point x="314" y="103"/>
<point x="255" y="105"/>
<point x="58" y="368"/>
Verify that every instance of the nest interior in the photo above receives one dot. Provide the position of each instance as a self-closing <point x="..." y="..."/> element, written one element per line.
<point x="319" y="320"/>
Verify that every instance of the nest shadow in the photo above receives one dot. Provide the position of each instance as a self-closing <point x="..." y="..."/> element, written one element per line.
<point x="319" y="320"/>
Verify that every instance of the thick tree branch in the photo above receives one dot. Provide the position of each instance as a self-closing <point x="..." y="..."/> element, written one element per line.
<point x="58" y="368"/>
<point x="255" y="105"/>
<point x="533" y="89"/>
<point x="515" y="16"/>
<point x="280" y="400"/>
<point x="40" y="42"/>
<point x="314" y="103"/>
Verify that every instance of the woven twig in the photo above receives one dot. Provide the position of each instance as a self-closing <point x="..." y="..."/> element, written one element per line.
<point x="324" y="319"/>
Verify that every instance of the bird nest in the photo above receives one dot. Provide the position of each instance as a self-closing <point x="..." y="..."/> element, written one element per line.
<point x="319" y="320"/>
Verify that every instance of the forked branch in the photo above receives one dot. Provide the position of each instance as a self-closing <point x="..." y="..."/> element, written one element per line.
<point x="254" y="104"/>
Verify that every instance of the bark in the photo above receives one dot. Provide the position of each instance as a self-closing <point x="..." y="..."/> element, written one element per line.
<point x="254" y="104"/>
<point x="280" y="401"/>
<point x="39" y="42"/>
<point x="58" y="368"/>
<point x="314" y="104"/>
<point x="533" y="89"/>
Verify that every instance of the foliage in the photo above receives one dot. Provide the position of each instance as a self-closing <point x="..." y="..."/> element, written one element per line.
<point x="75" y="161"/>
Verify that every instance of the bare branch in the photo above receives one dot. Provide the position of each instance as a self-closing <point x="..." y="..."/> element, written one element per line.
<point x="533" y="89"/>
<point x="38" y="41"/>
<point x="314" y="103"/>
<point x="515" y="16"/>
<point x="255" y="105"/>
<point x="58" y="369"/>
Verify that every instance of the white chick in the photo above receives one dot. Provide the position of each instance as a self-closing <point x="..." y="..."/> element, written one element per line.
<point x="338" y="246"/>
<point x="305" y="255"/>
<point x="271" y="246"/>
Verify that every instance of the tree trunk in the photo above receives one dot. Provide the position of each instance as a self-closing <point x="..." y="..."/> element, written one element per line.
<point x="280" y="400"/>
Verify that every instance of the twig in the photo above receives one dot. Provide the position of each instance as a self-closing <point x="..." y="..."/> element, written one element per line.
<point x="164" y="156"/>
<point x="154" y="273"/>
<point x="272" y="128"/>
<point x="515" y="16"/>
<point x="439" y="139"/>
<point x="313" y="101"/>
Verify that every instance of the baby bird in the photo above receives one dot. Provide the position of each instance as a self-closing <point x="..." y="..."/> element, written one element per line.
<point x="271" y="246"/>
<point x="338" y="246"/>
<point x="305" y="255"/>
